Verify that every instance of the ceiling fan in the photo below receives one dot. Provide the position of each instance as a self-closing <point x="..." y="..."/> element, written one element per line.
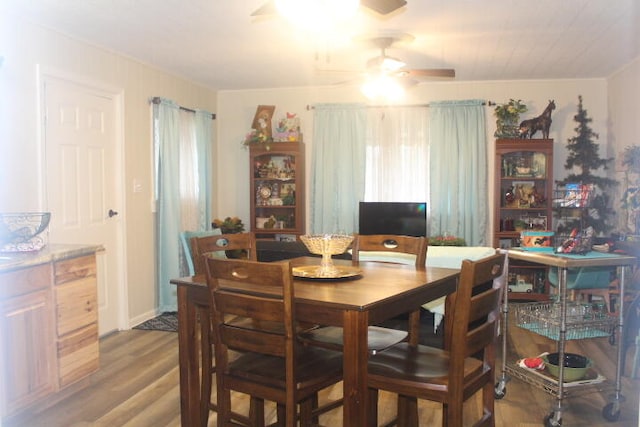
<point x="383" y="7"/>
<point x="384" y="64"/>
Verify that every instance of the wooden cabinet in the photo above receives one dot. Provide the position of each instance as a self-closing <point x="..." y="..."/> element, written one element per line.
<point x="277" y="190"/>
<point x="26" y="337"/>
<point x="76" y="297"/>
<point x="48" y="327"/>
<point x="523" y="202"/>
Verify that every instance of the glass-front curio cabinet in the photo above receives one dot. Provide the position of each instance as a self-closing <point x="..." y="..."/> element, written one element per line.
<point x="277" y="190"/>
<point x="523" y="202"/>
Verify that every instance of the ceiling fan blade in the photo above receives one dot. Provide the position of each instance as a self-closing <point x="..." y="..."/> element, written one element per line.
<point x="269" y="8"/>
<point x="383" y="7"/>
<point x="429" y="72"/>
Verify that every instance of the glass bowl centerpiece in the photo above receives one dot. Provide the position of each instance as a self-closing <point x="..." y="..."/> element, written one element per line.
<point x="327" y="245"/>
<point x="23" y="231"/>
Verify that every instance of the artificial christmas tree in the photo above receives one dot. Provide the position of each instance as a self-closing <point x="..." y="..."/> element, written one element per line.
<point x="584" y="157"/>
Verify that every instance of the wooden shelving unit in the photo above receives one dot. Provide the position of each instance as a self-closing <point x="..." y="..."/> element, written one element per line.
<point x="524" y="193"/>
<point x="277" y="190"/>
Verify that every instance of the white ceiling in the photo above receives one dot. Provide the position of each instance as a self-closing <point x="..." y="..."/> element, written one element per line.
<point x="217" y="43"/>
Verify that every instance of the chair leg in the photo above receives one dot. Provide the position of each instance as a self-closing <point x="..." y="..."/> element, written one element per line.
<point x="407" y="411"/>
<point x="256" y="412"/>
<point x="315" y="419"/>
<point x="206" y="363"/>
<point x="224" y="407"/>
<point x="414" y="327"/>
<point x="452" y="415"/>
<point x="488" y="400"/>
<point x="281" y="415"/>
<point x="306" y="411"/>
<point x="372" y="407"/>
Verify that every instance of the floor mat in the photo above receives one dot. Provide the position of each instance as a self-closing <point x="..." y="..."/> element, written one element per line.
<point x="165" y="322"/>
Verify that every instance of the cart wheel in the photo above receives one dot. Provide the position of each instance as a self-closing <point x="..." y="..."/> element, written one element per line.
<point x="550" y="422"/>
<point x="611" y="412"/>
<point x="500" y="390"/>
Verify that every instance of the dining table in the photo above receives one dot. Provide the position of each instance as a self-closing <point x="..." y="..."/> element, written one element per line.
<point x="371" y="293"/>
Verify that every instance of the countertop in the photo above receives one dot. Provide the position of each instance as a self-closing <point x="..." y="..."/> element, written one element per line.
<point x="50" y="253"/>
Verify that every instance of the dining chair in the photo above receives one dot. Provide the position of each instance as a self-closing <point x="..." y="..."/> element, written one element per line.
<point x="187" y="267"/>
<point x="585" y="282"/>
<point x="219" y="245"/>
<point x="272" y="364"/>
<point x="382" y="248"/>
<point x="215" y="245"/>
<point x="465" y="366"/>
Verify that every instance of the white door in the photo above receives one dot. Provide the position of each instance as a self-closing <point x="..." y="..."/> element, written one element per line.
<point x="82" y="182"/>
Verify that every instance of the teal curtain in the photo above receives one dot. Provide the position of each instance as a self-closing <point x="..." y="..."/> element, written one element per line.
<point x="204" y="153"/>
<point x="167" y="125"/>
<point x="458" y="170"/>
<point x="338" y="167"/>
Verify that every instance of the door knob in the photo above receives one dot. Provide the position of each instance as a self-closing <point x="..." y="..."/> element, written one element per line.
<point x="112" y="213"/>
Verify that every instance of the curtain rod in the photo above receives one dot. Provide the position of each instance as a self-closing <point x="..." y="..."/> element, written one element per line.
<point x="156" y="100"/>
<point x="487" y="103"/>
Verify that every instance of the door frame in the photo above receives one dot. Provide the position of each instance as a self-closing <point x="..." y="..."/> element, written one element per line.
<point x="45" y="73"/>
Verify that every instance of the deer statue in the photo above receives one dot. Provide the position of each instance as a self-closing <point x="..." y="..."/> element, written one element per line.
<point x="541" y="123"/>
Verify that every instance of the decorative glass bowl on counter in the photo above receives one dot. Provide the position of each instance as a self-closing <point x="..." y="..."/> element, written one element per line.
<point x="327" y="245"/>
<point x="23" y="231"/>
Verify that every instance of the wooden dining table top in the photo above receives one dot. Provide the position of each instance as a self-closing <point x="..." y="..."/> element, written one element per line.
<point x="377" y="286"/>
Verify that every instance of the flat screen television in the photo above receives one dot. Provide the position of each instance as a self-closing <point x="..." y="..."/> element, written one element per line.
<point x="401" y="218"/>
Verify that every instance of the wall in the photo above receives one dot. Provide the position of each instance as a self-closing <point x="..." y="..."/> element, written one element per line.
<point x="24" y="47"/>
<point x="237" y="108"/>
<point x="623" y="121"/>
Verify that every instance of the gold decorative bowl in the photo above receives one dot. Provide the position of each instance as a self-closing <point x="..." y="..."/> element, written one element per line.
<point x="327" y="245"/>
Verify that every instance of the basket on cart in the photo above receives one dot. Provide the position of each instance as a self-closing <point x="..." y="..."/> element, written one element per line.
<point x="581" y="321"/>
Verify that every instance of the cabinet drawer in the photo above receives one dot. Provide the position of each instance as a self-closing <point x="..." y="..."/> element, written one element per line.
<point x="25" y="280"/>
<point x="78" y="355"/>
<point x="75" y="268"/>
<point x="76" y="304"/>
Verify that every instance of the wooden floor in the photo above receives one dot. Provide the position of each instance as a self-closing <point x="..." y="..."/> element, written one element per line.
<point x="137" y="385"/>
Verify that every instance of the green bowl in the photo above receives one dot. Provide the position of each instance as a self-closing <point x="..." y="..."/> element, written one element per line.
<point x="575" y="366"/>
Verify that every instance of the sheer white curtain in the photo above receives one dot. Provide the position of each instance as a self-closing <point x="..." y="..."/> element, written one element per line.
<point x="397" y="154"/>
<point x="188" y="182"/>
<point x="182" y="147"/>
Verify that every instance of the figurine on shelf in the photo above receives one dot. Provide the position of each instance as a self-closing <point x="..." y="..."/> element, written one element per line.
<point x="288" y="129"/>
<point x="509" y="196"/>
<point x="541" y="123"/>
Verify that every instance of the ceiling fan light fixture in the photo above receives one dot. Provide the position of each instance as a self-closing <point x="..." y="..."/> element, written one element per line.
<point x="382" y="87"/>
<point x="385" y="63"/>
<point x="317" y="13"/>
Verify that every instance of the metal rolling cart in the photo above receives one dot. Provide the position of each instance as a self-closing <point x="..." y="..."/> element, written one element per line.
<point x="561" y="326"/>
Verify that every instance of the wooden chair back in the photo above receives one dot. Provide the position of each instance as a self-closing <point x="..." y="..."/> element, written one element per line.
<point x="219" y="244"/>
<point x="259" y="291"/>
<point x="472" y="328"/>
<point x="474" y="307"/>
<point x="391" y="243"/>
<point x="262" y="295"/>
<point x="464" y="367"/>
<point x="400" y="245"/>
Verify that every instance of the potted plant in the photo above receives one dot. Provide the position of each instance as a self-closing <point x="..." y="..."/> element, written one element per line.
<point x="508" y="117"/>
<point x="231" y="226"/>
